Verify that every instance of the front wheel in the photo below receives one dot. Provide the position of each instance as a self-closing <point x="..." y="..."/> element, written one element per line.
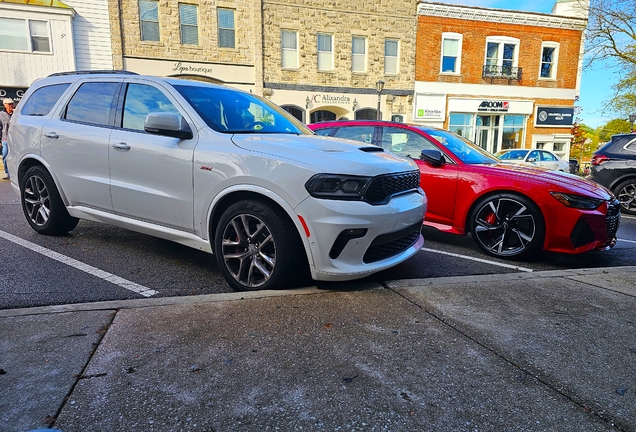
<point x="42" y="204"/>
<point x="256" y="248"/>
<point x="626" y="194"/>
<point x="508" y="226"/>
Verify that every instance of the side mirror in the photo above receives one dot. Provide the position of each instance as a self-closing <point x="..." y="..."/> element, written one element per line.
<point x="434" y="157"/>
<point x="168" y="124"/>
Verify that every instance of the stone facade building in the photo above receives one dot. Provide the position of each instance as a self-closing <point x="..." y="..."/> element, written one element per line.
<point x="323" y="60"/>
<point x="215" y="41"/>
<point x="503" y="79"/>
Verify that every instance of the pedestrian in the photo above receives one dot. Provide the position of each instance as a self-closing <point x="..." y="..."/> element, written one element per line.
<point x="5" y="116"/>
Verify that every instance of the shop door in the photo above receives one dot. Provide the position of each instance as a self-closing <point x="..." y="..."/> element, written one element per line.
<point x="488" y="132"/>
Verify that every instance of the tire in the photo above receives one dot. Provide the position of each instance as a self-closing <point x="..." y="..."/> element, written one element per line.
<point x="256" y="248"/>
<point x="508" y="226"/>
<point x="42" y="204"/>
<point x="626" y="194"/>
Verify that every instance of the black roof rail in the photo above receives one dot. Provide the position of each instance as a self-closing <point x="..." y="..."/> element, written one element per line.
<point x="88" y="72"/>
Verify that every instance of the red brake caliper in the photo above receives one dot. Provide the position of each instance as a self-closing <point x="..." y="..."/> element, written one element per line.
<point x="491" y="219"/>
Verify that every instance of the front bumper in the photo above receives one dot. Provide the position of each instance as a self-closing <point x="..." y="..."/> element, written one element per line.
<point x="391" y="235"/>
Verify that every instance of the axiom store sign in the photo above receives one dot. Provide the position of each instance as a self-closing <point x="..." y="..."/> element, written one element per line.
<point x="494" y="106"/>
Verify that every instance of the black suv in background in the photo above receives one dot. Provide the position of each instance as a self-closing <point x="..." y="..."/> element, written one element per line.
<point x="614" y="166"/>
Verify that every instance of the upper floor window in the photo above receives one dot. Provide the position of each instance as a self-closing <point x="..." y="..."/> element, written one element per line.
<point x="391" y="56"/>
<point x="149" y="19"/>
<point x="289" y="48"/>
<point x="24" y="35"/>
<point x="325" y="51"/>
<point x="188" y="23"/>
<point x="502" y="56"/>
<point x="226" y="28"/>
<point x="358" y="54"/>
<point x="549" y="57"/>
<point x="451" y="52"/>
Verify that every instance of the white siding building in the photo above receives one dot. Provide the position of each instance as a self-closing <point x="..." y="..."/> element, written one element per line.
<point x="37" y="40"/>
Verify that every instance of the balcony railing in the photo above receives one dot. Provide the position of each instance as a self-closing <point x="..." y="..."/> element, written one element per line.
<point x="509" y="73"/>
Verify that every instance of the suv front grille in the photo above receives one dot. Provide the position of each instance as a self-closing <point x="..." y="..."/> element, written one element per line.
<point x="391" y="244"/>
<point x="382" y="188"/>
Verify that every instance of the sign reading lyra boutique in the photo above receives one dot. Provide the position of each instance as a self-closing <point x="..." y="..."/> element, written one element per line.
<point x="554" y="116"/>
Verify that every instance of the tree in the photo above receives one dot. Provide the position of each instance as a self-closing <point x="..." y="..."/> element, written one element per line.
<point x="611" y="38"/>
<point x="613" y="127"/>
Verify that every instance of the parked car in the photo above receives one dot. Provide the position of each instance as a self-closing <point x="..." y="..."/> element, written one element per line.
<point x="511" y="211"/>
<point x="614" y="166"/>
<point x="534" y="157"/>
<point x="213" y="168"/>
<point x="574" y="166"/>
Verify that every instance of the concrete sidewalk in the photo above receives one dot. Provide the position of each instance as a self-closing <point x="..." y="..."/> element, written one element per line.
<point x="532" y="352"/>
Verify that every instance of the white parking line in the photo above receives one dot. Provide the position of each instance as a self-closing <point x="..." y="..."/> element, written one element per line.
<point x="627" y="217"/>
<point x="108" y="277"/>
<point x="479" y="260"/>
<point x="626" y="241"/>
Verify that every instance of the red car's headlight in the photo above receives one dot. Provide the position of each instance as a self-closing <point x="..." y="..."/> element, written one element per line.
<point x="577" y="201"/>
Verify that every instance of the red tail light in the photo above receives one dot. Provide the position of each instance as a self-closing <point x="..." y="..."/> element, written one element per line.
<point x="599" y="159"/>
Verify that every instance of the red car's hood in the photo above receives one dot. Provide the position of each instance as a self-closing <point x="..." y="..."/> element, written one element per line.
<point x="574" y="183"/>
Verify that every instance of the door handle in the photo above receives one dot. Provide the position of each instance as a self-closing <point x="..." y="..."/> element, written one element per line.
<point x="121" y="146"/>
<point x="51" y="135"/>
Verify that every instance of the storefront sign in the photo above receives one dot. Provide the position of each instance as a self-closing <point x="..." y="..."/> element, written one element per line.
<point x="181" y="68"/>
<point x="554" y="116"/>
<point x="14" y="93"/>
<point x="494" y="106"/>
<point x="327" y="99"/>
<point x="430" y="107"/>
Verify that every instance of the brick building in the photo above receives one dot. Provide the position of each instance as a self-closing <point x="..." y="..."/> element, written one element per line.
<point x="503" y="79"/>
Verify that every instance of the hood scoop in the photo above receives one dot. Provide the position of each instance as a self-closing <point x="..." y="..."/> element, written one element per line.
<point x="372" y="149"/>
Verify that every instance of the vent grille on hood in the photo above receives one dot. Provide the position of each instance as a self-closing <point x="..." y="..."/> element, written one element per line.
<point x="372" y="149"/>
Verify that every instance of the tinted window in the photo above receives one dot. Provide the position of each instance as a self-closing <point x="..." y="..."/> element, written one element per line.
<point x="324" y="132"/>
<point x="141" y="100"/>
<point x="357" y="133"/>
<point x="92" y="103"/>
<point x="405" y="142"/>
<point x="43" y="99"/>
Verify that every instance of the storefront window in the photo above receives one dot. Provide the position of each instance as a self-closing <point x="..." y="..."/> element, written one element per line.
<point x="513" y="129"/>
<point x="462" y="124"/>
<point x="294" y="110"/>
<point x="322" y="115"/>
<point x="366" y="114"/>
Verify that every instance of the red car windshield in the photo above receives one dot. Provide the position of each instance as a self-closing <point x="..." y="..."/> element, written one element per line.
<point x="467" y="151"/>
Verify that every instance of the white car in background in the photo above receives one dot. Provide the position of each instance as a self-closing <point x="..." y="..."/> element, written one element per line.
<point x="213" y="168"/>
<point x="534" y="157"/>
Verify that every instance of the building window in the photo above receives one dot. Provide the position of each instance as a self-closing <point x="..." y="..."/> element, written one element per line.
<point x="325" y="52"/>
<point x="461" y="124"/>
<point x="451" y="53"/>
<point x="188" y="23"/>
<point x="226" y="28"/>
<point x="24" y="35"/>
<point x="149" y="19"/>
<point x="513" y="131"/>
<point x="502" y="55"/>
<point x="358" y="54"/>
<point x="391" y="56"/>
<point x="549" y="57"/>
<point x="289" y="46"/>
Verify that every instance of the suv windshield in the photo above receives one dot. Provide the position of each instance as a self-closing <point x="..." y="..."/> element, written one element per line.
<point x="467" y="151"/>
<point x="230" y="111"/>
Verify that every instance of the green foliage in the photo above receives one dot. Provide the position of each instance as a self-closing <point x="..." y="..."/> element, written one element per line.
<point x="613" y="127"/>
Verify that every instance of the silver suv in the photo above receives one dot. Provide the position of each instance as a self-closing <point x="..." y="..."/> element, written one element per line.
<point x="213" y="168"/>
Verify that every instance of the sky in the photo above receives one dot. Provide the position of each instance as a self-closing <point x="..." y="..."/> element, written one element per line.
<point x="596" y="83"/>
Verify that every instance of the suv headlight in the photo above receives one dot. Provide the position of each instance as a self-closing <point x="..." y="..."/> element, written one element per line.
<point x="577" y="201"/>
<point x="337" y="186"/>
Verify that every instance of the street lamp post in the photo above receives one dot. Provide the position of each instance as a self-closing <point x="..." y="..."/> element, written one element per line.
<point x="379" y="86"/>
<point x="632" y="119"/>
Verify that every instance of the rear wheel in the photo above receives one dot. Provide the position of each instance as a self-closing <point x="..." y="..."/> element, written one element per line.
<point x="626" y="194"/>
<point x="256" y="248"/>
<point x="42" y="204"/>
<point x="508" y="226"/>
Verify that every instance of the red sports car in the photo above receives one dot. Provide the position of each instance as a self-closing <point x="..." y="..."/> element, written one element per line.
<point x="511" y="211"/>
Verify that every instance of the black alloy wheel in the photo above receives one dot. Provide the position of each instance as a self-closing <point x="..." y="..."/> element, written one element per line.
<point x="626" y="194"/>
<point x="508" y="226"/>
<point x="256" y="248"/>
<point x="42" y="204"/>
